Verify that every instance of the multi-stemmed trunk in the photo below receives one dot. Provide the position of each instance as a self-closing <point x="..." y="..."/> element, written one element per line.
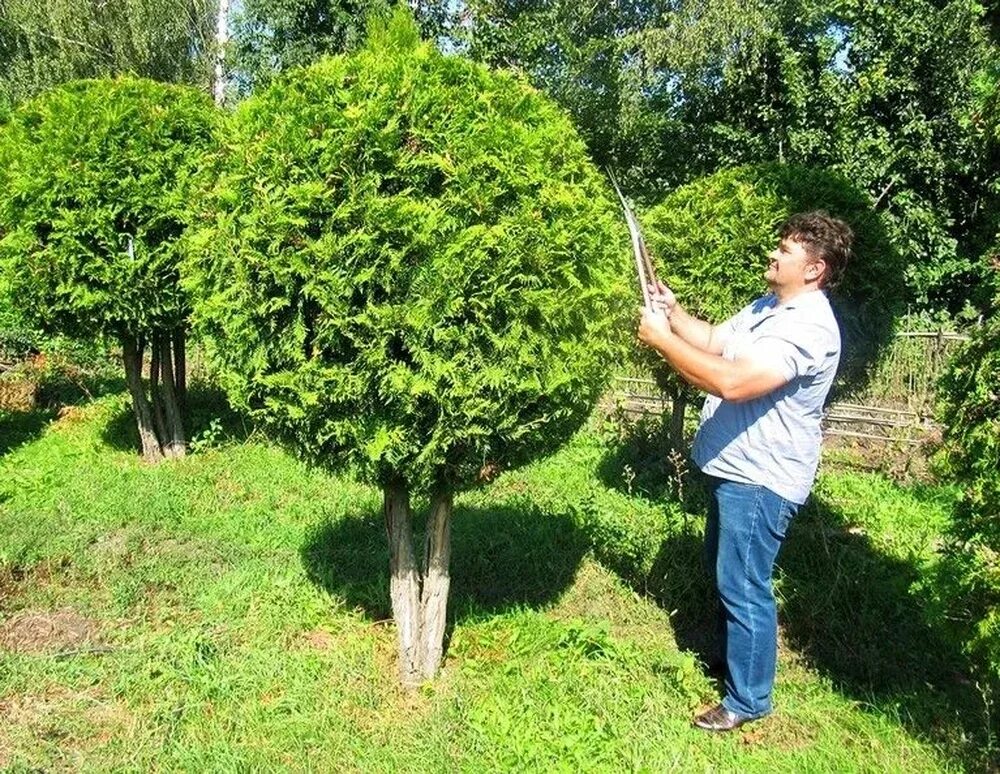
<point x="159" y="415"/>
<point x="419" y="592"/>
<point x="678" y="408"/>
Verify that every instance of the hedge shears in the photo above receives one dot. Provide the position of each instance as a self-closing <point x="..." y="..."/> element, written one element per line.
<point x="643" y="265"/>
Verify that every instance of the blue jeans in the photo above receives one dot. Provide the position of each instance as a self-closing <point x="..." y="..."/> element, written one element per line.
<point x="746" y="524"/>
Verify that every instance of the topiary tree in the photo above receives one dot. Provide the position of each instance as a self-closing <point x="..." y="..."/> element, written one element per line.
<point x="94" y="178"/>
<point x="710" y="239"/>
<point x="969" y="407"/>
<point x="412" y="267"/>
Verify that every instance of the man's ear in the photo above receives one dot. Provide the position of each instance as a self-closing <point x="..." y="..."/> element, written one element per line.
<point x="815" y="270"/>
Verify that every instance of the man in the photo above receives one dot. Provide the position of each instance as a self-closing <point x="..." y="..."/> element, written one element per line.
<point x="767" y="371"/>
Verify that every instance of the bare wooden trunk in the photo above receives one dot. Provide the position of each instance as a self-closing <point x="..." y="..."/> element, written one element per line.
<point x="678" y="407"/>
<point x="132" y="356"/>
<point x="436" y="581"/>
<point x="175" y="444"/>
<point x="180" y="369"/>
<point x="221" y="39"/>
<point x="156" y="399"/>
<point x="404" y="583"/>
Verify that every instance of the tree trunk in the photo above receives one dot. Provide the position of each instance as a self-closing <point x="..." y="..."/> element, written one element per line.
<point x="404" y="585"/>
<point x="221" y="39"/>
<point x="436" y="580"/>
<point x="180" y="369"/>
<point x="175" y="443"/>
<point x="132" y="356"/>
<point x="156" y="399"/>
<point x="678" y="407"/>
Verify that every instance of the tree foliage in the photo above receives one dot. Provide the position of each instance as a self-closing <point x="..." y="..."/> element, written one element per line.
<point x="271" y="36"/>
<point x="580" y="55"/>
<point x="45" y="44"/>
<point x="711" y="238"/>
<point x="413" y="267"/>
<point x="969" y="407"/>
<point x="92" y="200"/>
<point x="881" y="92"/>
<point x="94" y="184"/>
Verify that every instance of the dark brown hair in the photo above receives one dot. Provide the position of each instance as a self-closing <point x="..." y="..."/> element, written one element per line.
<point x="825" y="238"/>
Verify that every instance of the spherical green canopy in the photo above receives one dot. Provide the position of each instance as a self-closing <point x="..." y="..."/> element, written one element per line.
<point x="94" y="181"/>
<point x="412" y="265"/>
<point x="712" y="237"/>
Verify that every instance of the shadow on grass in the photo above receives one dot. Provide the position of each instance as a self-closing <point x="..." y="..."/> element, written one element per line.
<point x="849" y="611"/>
<point x="19" y="427"/>
<point x="60" y="390"/>
<point x="635" y="463"/>
<point x="210" y="420"/>
<point x="501" y="558"/>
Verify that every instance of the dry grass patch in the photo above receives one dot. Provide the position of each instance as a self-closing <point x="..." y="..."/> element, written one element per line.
<point x="71" y="722"/>
<point x="49" y="631"/>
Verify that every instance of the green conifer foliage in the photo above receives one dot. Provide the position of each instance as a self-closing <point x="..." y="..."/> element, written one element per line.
<point x="413" y="267"/>
<point x="711" y="238"/>
<point x="970" y="409"/>
<point x="414" y="264"/>
<point x="94" y="183"/>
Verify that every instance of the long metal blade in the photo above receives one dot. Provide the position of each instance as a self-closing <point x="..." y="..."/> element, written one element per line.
<point x="643" y="266"/>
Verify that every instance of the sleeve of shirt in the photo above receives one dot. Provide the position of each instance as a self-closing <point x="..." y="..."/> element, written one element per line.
<point x="799" y="350"/>
<point x="728" y="328"/>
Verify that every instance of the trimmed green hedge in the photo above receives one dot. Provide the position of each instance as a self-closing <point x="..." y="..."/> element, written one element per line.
<point x="413" y="266"/>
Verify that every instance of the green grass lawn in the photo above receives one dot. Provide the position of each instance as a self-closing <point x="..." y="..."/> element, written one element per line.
<point x="229" y="612"/>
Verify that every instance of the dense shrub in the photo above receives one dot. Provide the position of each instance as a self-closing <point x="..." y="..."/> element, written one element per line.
<point x="970" y="409"/>
<point x="414" y="267"/>
<point x="711" y="238"/>
<point x="94" y="178"/>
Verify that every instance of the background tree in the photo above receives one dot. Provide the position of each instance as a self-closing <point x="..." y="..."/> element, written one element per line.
<point x="881" y="92"/>
<point x="583" y="55"/>
<point x="271" y="36"/>
<point x="413" y="268"/>
<point x="45" y="44"/>
<point x="94" y="179"/>
<point x="711" y="237"/>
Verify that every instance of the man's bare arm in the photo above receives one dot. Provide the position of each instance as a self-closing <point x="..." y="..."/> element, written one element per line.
<point x="698" y="333"/>
<point x="733" y="380"/>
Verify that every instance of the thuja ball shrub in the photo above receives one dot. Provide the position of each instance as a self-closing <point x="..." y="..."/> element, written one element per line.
<point x="711" y="239"/>
<point x="409" y="263"/>
<point x="94" y="183"/>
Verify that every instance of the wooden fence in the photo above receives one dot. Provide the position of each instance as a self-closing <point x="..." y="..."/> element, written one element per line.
<point x="897" y="404"/>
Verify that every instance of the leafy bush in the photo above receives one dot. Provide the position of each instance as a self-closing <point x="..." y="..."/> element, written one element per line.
<point x="94" y="179"/>
<point x="413" y="267"/>
<point x="970" y="408"/>
<point x="711" y="238"/>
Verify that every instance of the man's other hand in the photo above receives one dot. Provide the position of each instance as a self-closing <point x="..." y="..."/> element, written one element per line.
<point x="662" y="297"/>
<point x="653" y="327"/>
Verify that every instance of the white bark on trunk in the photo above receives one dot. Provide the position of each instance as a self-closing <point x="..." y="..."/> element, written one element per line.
<point x="436" y="581"/>
<point x="404" y="584"/>
<point x="221" y="40"/>
<point x="175" y="444"/>
<point x="132" y="355"/>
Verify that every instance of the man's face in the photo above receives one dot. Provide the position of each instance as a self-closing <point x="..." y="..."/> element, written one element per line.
<point x="790" y="266"/>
